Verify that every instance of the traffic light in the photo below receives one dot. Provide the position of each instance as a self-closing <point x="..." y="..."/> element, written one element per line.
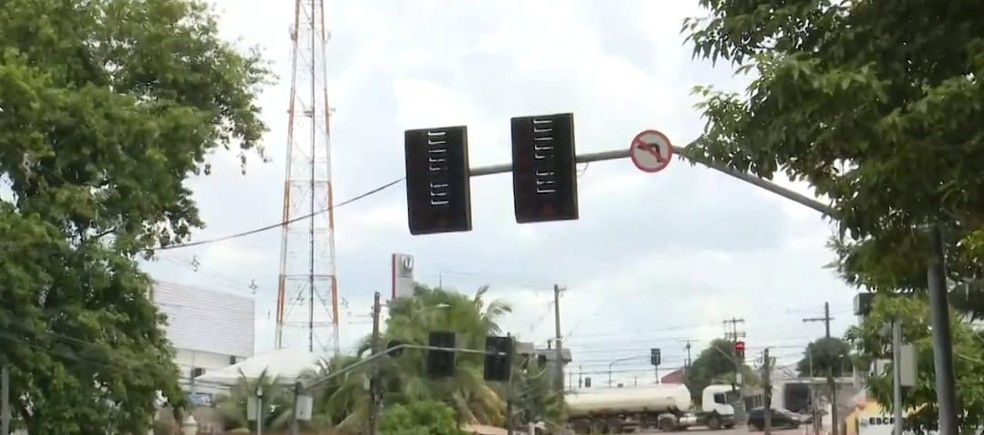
<point x="394" y="349"/>
<point x="498" y="359"/>
<point x="541" y="360"/>
<point x="587" y="382"/>
<point x="654" y="356"/>
<point x="440" y="363"/>
<point x="740" y="349"/>
<point x="438" y="185"/>
<point x="544" y="168"/>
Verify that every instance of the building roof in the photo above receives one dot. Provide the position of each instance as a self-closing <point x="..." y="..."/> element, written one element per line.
<point x="674" y="377"/>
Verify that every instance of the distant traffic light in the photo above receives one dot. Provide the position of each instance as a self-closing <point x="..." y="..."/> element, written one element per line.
<point x="498" y="360"/>
<point x="544" y="168"/>
<point x="654" y="356"/>
<point x="440" y="363"/>
<point x="587" y="382"/>
<point x="394" y="349"/>
<point x="740" y="349"/>
<point x="438" y="184"/>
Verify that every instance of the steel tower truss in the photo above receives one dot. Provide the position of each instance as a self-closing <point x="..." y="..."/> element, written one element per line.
<point x="307" y="294"/>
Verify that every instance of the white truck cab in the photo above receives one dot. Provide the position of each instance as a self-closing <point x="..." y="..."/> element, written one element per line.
<point x="717" y="407"/>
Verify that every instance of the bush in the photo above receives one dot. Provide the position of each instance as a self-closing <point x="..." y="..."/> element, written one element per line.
<point x="419" y="418"/>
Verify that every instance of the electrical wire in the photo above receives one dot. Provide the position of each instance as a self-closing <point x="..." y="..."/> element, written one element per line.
<point x="279" y="224"/>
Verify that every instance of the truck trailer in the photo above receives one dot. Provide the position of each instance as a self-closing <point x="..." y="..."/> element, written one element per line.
<point x="666" y="407"/>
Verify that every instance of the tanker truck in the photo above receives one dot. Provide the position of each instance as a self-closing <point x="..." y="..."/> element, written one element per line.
<point x="665" y="406"/>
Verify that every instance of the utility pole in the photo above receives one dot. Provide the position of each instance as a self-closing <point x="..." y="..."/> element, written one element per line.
<point x="831" y="384"/>
<point x="686" y="365"/>
<point x="5" y="399"/>
<point x="813" y="396"/>
<point x="734" y="335"/>
<point x="559" y="339"/>
<point x="767" y="387"/>
<point x="374" y="380"/>
<point x="939" y="309"/>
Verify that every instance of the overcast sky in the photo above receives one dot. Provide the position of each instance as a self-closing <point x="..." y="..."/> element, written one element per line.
<point x="655" y="258"/>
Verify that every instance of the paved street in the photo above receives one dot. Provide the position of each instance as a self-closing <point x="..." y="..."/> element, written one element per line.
<point x="736" y="431"/>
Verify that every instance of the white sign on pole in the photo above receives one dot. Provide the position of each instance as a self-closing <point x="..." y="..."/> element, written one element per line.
<point x="402" y="275"/>
<point x="305" y="407"/>
<point x="651" y="151"/>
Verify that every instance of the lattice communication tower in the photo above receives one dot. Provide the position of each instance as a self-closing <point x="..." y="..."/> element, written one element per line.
<point x="307" y="294"/>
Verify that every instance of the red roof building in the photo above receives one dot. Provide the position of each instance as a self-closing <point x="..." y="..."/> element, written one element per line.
<point x="674" y="377"/>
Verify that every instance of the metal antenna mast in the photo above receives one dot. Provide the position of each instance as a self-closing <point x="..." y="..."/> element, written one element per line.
<point x="307" y="292"/>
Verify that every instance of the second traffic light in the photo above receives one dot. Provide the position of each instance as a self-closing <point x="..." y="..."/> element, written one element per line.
<point x="498" y="358"/>
<point x="544" y="168"/>
<point x="655" y="358"/>
<point x="440" y="363"/>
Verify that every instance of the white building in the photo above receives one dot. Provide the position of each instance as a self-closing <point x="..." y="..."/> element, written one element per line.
<point x="209" y="329"/>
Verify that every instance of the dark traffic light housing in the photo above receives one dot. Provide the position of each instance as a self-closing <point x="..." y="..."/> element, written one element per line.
<point x="440" y="363"/>
<point x="438" y="184"/>
<point x="740" y="349"/>
<point x="498" y="358"/>
<point x="655" y="358"/>
<point x="544" y="168"/>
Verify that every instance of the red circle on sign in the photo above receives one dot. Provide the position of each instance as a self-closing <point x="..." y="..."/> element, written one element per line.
<point x="638" y="141"/>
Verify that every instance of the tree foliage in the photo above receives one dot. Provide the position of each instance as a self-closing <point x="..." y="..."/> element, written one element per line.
<point x="877" y="105"/>
<point x="825" y="355"/>
<point x="968" y="346"/>
<point x="420" y="418"/>
<point x="106" y="108"/>
<point x="716" y="365"/>
<point x="278" y="403"/>
<point x="344" y="400"/>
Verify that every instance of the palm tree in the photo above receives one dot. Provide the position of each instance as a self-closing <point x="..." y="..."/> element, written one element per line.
<point x="534" y="397"/>
<point x="277" y="403"/>
<point x="343" y="402"/>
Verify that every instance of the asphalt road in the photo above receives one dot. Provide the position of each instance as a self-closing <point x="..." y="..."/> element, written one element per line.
<point x="742" y="430"/>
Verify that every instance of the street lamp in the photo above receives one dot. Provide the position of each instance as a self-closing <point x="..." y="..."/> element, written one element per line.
<point x="628" y="358"/>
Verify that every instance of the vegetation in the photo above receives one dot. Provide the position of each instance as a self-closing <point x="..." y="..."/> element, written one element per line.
<point x="278" y="404"/>
<point x="716" y="365"/>
<point x="877" y="105"/>
<point x="968" y="346"/>
<point x="420" y="418"/>
<point x="106" y="108"/>
<point x="343" y="402"/>
<point x="826" y="355"/>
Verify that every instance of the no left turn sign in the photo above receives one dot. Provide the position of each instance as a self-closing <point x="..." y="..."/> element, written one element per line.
<point x="651" y="151"/>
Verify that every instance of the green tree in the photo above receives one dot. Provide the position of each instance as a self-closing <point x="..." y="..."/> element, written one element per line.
<point x="968" y="346"/>
<point x="423" y="417"/>
<point x="344" y="401"/>
<point x="878" y="110"/>
<point x="277" y="407"/>
<point x="877" y="105"/>
<point x="106" y="108"/>
<point x="534" y="396"/>
<point x="825" y="354"/>
<point x="716" y="365"/>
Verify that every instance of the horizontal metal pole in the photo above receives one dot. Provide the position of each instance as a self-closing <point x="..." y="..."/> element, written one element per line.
<point x="624" y="153"/>
<point x="388" y="351"/>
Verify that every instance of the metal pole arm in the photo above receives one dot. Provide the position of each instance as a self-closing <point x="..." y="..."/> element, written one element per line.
<point x="681" y="151"/>
<point x="388" y="351"/>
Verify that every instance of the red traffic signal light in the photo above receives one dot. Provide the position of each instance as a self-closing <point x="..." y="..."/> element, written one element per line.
<point x="740" y="349"/>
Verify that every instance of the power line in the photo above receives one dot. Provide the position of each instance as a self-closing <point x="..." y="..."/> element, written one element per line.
<point x="279" y="224"/>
